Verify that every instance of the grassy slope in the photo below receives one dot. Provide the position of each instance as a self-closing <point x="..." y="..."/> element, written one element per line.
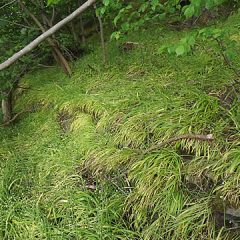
<point x="93" y="128"/>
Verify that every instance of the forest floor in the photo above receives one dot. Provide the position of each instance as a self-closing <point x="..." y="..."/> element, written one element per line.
<point x="78" y="167"/>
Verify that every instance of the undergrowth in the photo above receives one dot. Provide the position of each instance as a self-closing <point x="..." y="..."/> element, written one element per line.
<point x="77" y="166"/>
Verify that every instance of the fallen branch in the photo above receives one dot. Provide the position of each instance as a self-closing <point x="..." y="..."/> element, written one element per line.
<point x="45" y="35"/>
<point x="198" y="137"/>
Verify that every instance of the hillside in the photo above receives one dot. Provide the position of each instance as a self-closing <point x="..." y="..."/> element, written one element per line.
<point x="77" y="165"/>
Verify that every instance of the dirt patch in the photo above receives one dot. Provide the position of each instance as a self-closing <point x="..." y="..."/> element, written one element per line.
<point x="90" y="182"/>
<point x="65" y="119"/>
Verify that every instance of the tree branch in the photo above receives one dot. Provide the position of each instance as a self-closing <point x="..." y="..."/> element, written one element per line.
<point x="17" y="24"/>
<point x="226" y="59"/>
<point x="53" y="16"/>
<point x="45" y="35"/>
<point x="198" y="137"/>
<point x="7" y="4"/>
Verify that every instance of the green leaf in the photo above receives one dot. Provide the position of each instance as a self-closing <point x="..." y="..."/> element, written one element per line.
<point x="102" y="10"/>
<point x="162" y="16"/>
<point x="106" y="2"/>
<point x="196" y="3"/>
<point x="189" y="12"/>
<point x="209" y="4"/>
<point x="115" y="20"/>
<point x="171" y="49"/>
<point x="115" y="35"/>
<point x="143" y="7"/>
<point x="162" y="49"/>
<point x="154" y="4"/>
<point x="52" y="2"/>
<point x="192" y="40"/>
<point x="125" y="26"/>
<point x="180" y="50"/>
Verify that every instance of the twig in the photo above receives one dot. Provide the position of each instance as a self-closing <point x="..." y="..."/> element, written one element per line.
<point x="226" y="59"/>
<point x="53" y="16"/>
<point x="92" y="68"/>
<point x="128" y="185"/>
<point x="24" y="88"/>
<point x="113" y="183"/>
<point x="46" y="66"/>
<point x="18" y="24"/>
<point x="27" y="88"/>
<point x="229" y="64"/>
<point x="7" y="4"/>
<point x="198" y="137"/>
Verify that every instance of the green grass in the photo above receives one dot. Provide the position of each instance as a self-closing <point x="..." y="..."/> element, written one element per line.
<point x="91" y="130"/>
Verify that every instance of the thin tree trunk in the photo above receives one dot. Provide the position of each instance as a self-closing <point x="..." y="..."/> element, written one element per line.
<point x="80" y="2"/>
<point x="104" y="52"/>
<point x="7" y="100"/>
<point x="75" y="36"/>
<point x="82" y="30"/>
<point x="73" y="30"/>
<point x="7" y="106"/>
<point x="45" y="35"/>
<point x="63" y="62"/>
<point x="56" y="51"/>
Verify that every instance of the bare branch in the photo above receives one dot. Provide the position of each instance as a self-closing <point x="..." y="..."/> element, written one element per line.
<point x="226" y="59"/>
<point x="18" y="24"/>
<point x="198" y="137"/>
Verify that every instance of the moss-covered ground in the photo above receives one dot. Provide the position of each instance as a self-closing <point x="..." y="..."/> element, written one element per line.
<point x="76" y="166"/>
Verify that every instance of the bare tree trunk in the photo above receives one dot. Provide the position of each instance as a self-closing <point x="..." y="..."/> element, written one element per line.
<point x="59" y="57"/>
<point x="82" y="30"/>
<point x="62" y="60"/>
<point x="28" y="48"/>
<point x="104" y="52"/>
<point x="80" y="2"/>
<point x="7" y="101"/>
<point x="73" y="30"/>
<point x="7" y="106"/>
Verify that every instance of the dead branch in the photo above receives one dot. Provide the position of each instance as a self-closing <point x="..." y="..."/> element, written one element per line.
<point x="197" y="137"/>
